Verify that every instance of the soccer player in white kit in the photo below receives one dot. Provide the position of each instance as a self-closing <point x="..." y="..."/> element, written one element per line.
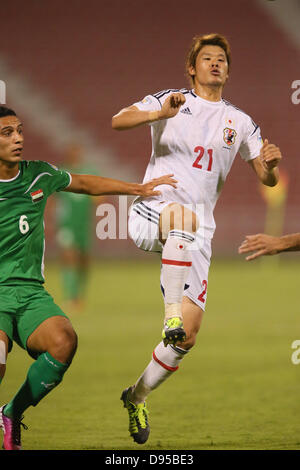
<point x="195" y="135"/>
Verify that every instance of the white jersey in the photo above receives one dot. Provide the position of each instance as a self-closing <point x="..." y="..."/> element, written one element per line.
<point x="198" y="146"/>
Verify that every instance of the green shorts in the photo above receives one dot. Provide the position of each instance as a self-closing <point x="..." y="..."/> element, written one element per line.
<point x="23" y="309"/>
<point x="70" y="237"/>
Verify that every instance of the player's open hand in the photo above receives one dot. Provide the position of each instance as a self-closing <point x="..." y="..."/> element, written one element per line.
<point x="270" y="155"/>
<point x="172" y="105"/>
<point x="261" y="244"/>
<point x="147" y="189"/>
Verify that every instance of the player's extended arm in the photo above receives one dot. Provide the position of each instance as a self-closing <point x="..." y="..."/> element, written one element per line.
<point x="265" y="165"/>
<point x="100" y="186"/>
<point x="131" y="117"/>
<point x="263" y="244"/>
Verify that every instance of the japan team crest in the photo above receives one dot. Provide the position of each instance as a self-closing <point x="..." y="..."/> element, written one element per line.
<point x="229" y="136"/>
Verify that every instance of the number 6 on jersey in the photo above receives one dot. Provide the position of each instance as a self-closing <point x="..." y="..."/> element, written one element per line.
<point x="23" y="224"/>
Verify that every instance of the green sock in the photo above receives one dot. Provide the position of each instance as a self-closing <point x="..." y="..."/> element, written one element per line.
<point x="70" y="282"/>
<point x="43" y="375"/>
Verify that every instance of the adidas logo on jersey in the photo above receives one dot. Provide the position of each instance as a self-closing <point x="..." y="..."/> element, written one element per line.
<point x="186" y="111"/>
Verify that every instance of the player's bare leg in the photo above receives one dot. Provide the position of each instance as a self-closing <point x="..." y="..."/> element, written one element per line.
<point x="192" y="319"/>
<point x="178" y="226"/>
<point x="54" y="342"/>
<point x="55" y="336"/>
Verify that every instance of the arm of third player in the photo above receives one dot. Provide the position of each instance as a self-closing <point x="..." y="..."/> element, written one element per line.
<point x="262" y="244"/>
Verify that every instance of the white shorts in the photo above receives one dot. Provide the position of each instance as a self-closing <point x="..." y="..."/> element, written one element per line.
<point x="143" y="229"/>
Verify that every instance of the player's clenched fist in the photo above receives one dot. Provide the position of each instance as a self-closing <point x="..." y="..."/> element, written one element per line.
<point x="270" y="155"/>
<point x="171" y="106"/>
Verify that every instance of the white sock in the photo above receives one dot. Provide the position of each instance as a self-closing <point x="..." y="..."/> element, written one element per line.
<point x="165" y="361"/>
<point x="176" y="263"/>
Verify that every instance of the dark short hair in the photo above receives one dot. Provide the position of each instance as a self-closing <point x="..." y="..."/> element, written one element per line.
<point x="206" y="40"/>
<point x="5" y="111"/>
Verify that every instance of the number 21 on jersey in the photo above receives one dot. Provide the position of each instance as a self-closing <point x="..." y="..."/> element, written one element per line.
<point x="200" y="151"/>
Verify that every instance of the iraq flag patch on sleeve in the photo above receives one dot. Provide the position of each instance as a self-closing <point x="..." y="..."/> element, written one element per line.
<point x="37" y="196"/>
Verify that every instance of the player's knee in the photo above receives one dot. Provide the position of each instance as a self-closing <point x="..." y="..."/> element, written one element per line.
<point x="177" y="217"/>
<point x="191" y="336"/>
<point x="63" y="345"/>
<point x="189" y="342"/>
<point x="70" y="342"/>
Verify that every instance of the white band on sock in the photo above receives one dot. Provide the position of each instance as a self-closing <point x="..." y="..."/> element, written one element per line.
<point x="168" y="357"/>
<point x="165" y="361"/>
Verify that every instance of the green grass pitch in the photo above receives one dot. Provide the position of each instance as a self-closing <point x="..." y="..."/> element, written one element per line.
<point x="237" y="389"/>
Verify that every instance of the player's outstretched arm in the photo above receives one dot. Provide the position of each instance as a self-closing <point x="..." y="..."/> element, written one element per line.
<point x="131" y="117"/>
<point x="99" y="186"/>
<point x="265" y="165"/>
<point x="262" y="244"/>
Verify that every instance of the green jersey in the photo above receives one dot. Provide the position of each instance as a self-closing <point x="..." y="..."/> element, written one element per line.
<point x="75" y="211"/>
<point x="22" y="204"/>
<point x="75" y="215"/>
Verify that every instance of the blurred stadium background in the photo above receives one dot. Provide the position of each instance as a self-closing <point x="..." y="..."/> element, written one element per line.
<point x="68" y="67"/>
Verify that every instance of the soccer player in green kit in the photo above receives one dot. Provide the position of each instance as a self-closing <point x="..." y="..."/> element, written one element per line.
<point x="74" y="220"/>
<point x="28" y="314"/>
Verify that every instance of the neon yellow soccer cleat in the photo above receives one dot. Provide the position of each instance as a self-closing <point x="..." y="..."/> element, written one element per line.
<point x="138" y="418"/>
<point x="173" y="331"/>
